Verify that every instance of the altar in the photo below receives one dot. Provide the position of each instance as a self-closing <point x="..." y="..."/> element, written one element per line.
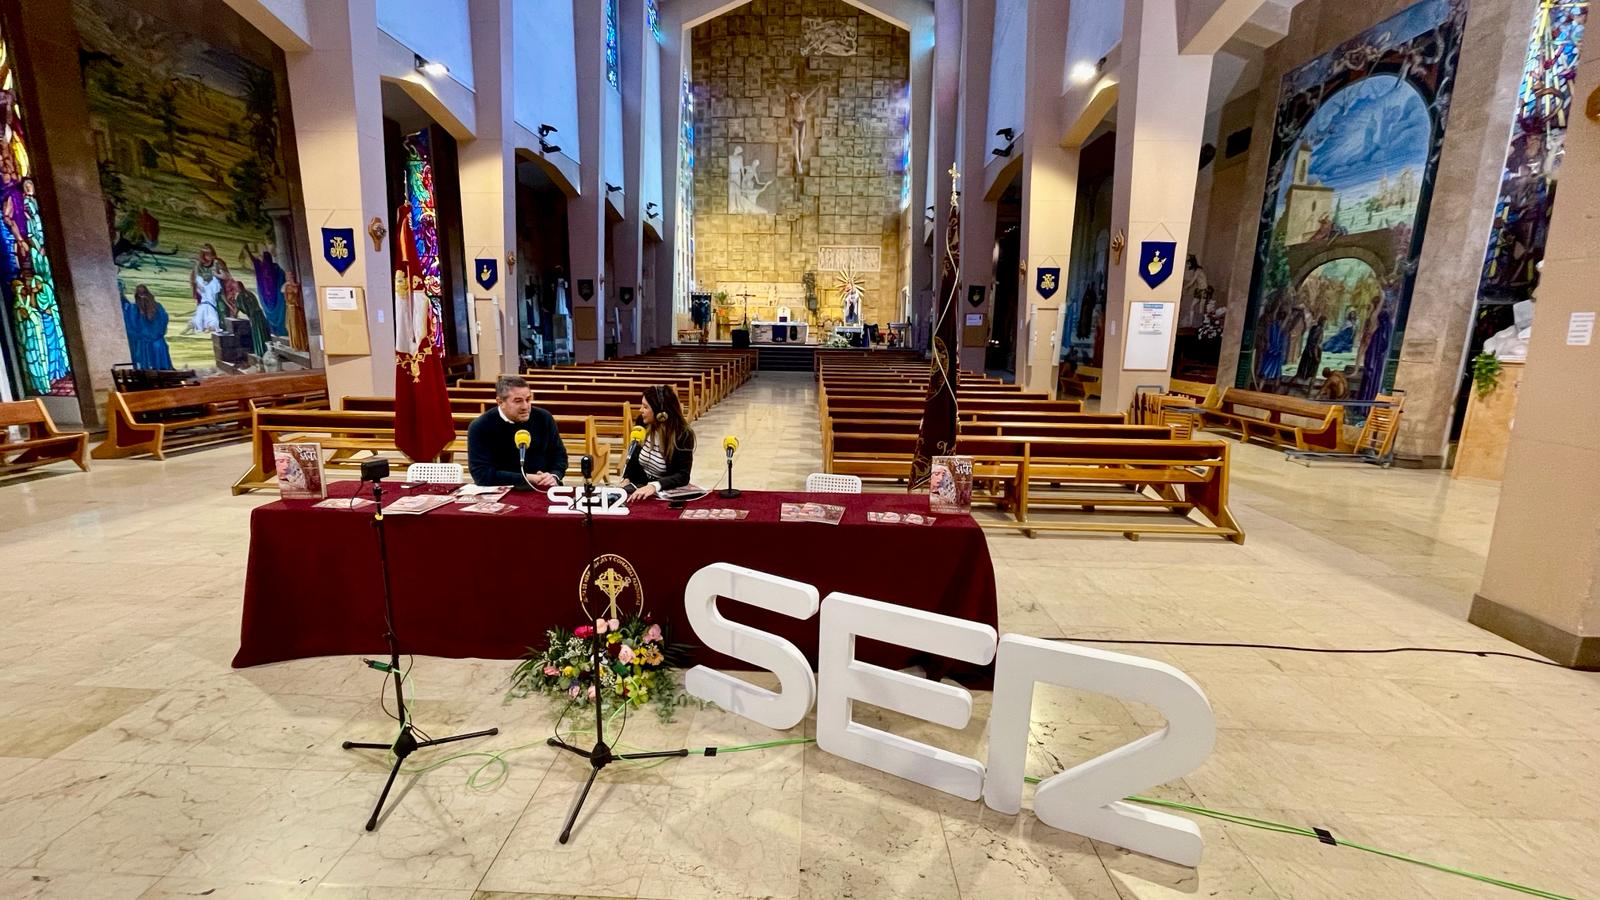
<point x="790" y="332"/>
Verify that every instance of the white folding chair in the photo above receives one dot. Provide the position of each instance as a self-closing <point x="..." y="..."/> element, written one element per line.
<point x="435" y="473"/>
<point x="824" y="483"/>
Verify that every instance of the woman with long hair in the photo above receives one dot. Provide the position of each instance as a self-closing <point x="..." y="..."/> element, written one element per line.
<point x="663" y="459"/>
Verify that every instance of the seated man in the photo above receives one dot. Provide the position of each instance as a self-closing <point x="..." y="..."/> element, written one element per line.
<point x="492" y="441"/>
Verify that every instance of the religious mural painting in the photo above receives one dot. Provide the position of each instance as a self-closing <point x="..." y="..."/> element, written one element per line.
<point x="420" y="206"/>
<point x="34" y="338"/>
<point x="1354" y="153"/>
<point x="189" y="134"/>
<point x="1528" y="183"/>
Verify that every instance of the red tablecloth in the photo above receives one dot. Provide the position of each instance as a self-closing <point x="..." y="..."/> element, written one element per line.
<point x="475" y="585"/>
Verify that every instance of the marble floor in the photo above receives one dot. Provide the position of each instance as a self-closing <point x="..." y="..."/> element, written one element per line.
<point x="135" y="763"/>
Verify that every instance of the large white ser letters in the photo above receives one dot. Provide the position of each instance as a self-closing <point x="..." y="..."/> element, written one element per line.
<point x="845" y="679"/>
<point x="1086" y="799"/>
<point x="797" y="687"/>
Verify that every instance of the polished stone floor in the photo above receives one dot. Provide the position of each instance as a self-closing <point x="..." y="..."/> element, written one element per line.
<point x="135" y="763"/>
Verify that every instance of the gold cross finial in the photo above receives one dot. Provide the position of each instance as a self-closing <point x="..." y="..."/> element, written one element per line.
<point x="955" y="183"/>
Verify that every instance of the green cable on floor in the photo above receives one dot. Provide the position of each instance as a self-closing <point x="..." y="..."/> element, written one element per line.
<point x="494" y="757"/>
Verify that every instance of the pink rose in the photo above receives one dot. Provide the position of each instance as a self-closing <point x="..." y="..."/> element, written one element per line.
<point x="600" y="626"/>
<point x="625" y="655"/>
<point x="614" y="624"/>
<point x="552" y="671"/>
<point x="583" y="631"/>
<point x="653" y="634"/>
<point x="591" y="692"/>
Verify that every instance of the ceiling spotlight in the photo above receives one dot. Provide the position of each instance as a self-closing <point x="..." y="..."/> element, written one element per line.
<point x="428" y="67"/>
<point x="1009" y="134"/>
<point x="612" y="188"/>
<point x="546" y="129"/>
<point x="1003" y="151"/>
<point x="548" y="148"/>
<point x="652" y="209"/>
<point x="1083" y="72"/>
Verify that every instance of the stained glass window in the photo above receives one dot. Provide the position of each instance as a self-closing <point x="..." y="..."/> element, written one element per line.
<point x="34" y="312"/>
<point x="424" y="225"/>
<point x="611" y="43"/>
<point x="652" y="17"/>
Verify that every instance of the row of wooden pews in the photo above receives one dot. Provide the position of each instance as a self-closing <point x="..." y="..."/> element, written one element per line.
<point x="1030" y="452"/>
<point x="593" y="405"/>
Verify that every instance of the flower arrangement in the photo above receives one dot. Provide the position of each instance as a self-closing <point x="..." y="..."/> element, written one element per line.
<point x="633" y="666"/>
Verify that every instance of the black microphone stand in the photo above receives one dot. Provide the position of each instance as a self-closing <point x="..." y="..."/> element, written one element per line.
<point x="601" y="754"/>
<point x="406" y="743"/>
<point x="730" y="492"/>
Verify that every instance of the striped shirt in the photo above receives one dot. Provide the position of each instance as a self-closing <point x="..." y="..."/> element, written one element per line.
<point x="650" y="458"/>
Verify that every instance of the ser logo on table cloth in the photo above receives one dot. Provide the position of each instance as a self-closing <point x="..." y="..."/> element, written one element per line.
<point x="605" y="500"/>
<point x="610" y="588"/>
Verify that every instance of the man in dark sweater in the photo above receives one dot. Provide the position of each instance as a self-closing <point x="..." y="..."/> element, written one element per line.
<point x="492" y="441"/>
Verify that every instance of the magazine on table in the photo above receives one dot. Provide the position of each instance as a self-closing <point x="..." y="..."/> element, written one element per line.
<point x="811" y="512"/>
<point x="720" y="515"/>
<point x="894" y="518"/>
<point x="487" y="507"/>
<point x="687" y="492"/>
<point x="416" y="504"/>
<point x="950" y="484"/>
<point x="299" y="471"/>
<point x="473" y="493"/>
<point x="343" y="503"/>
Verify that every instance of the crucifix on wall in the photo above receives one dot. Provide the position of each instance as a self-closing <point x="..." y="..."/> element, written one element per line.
<point x="800" y="123"/>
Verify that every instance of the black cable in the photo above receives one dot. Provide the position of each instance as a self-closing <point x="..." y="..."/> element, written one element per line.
<point x="1532" y="659"/>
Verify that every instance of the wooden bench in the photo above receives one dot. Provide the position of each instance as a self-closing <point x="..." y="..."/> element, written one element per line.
<point x="458" y="367"/>
<point x="213" y="411"/>
<point x="350" y="434"/>
<point x="878" y="451"/>
<point x="1129" y="478"/>
<point x="43" y="444"/>
<point x="1320" y="426"/>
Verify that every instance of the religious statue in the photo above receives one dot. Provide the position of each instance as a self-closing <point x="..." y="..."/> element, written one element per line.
<point x="745" y="186"/>
<point x="244" y="304"/>
<point x="295" y="317"/>
<point x="799" y="120"/>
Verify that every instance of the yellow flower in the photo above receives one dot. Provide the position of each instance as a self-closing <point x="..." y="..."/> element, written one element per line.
<point x="569" y="671"/>
<point x="613" y="637"/>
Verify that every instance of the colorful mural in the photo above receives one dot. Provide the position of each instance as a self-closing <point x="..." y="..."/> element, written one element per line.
<point x="1354" y="152"/>
<point x="33" y="312"/>
<point x="424" y="225"/>
<point x="1527" y="188"/>
<point x="188" y="136"/>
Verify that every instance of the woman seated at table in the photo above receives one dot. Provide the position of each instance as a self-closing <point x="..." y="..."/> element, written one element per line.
<point x="663" y="459"/>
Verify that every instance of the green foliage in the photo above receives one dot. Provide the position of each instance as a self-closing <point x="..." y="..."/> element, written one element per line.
<point x="1485" y="373"/>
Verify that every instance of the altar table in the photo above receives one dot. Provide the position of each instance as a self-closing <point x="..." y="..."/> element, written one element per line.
<point x="475" y="585"/>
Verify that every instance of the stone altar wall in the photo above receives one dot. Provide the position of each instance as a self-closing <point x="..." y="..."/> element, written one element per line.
<point x="751" y="72"/>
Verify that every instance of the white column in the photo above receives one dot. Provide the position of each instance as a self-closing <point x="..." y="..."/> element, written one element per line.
<point x="338" y="125"/>
<point x="977" y="212"/>
<point x="488" y="169"/>
<point x="1161" y="108"/>
<point x="1049" y="195"/>
<point x="586" y="213"/>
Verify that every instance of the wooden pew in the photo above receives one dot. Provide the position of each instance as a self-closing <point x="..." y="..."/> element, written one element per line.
<point x="607" y="418"/>
<point x="43" y="444"/>
<point x="1319" y="428"/>
<point x="217" y="410"/>
<point x="1125" y="477"/>
<point x="348" y="432"/>
<point x="881" y="451"/>
<point x="458" y="367"/>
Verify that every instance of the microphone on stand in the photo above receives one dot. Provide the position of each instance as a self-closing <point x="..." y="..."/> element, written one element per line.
<point x="635" y="440"/>
<point x="730" y="444"/>
<point x="586" y="466"/>
<point x="523" y="439"/>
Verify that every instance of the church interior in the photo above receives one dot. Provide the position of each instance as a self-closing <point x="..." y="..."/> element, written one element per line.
<point x="1183" y="400"/>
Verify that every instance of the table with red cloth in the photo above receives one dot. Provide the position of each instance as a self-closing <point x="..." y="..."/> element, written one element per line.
<point x="491" y="585"/>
